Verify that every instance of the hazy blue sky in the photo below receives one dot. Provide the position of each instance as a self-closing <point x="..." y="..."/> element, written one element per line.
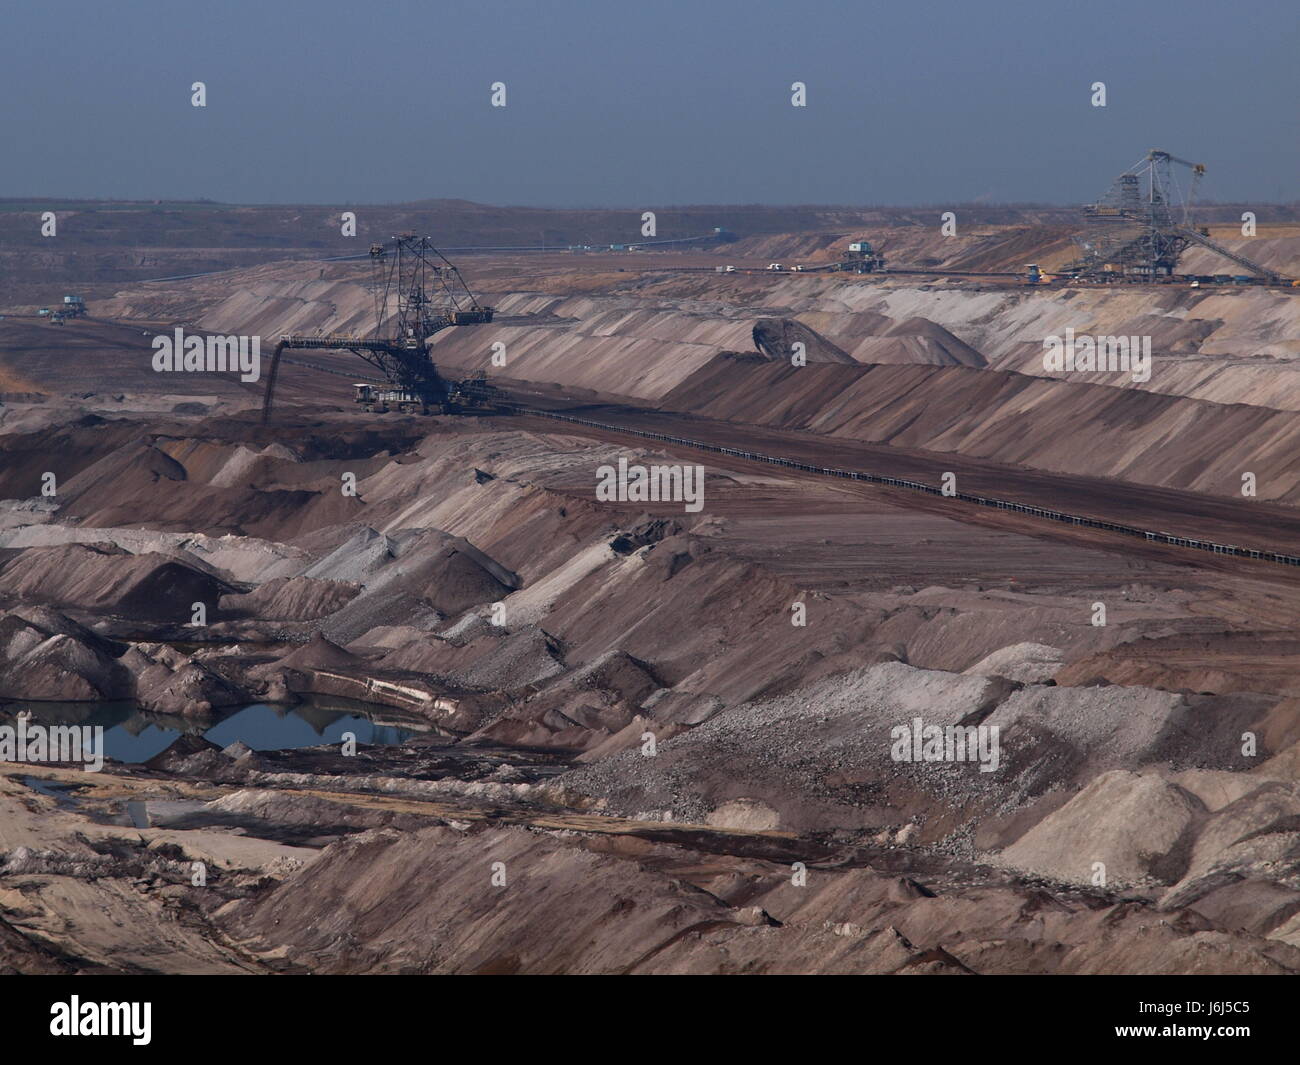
<point x="668" y="102"/>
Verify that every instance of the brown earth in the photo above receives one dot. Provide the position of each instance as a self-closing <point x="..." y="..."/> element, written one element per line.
<point x="768" y="643"/>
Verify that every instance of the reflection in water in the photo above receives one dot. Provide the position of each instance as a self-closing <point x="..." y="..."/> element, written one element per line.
<point x="135" y="735"/>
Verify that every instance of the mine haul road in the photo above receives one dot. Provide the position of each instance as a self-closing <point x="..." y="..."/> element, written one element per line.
<point x="1246" y="523"/>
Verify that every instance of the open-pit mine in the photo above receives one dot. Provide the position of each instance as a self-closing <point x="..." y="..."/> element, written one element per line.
<point x="761" y="601"/>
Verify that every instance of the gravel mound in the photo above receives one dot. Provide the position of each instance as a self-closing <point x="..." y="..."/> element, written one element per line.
<point x="803" y="755"/>
<point x="1138" y="826"/>
<point x="1028" y="663"/>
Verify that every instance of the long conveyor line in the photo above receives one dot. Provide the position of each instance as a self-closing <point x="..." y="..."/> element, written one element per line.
<point x="918" y="486"/>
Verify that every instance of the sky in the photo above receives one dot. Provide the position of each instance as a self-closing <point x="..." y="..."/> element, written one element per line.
<point x="671" y="102"/>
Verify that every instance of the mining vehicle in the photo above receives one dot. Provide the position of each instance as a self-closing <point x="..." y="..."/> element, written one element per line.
<point x="418" y="293"/>
<point x="862" y="258"/>
<point x="472" y="395"/>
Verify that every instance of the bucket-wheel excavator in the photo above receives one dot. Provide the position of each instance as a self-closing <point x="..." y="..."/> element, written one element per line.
<point x="418" y="292"/>
<point x="1143" y="224"/>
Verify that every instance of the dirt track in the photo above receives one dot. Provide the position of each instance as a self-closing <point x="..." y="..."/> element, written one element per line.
<point x="1249" y="523"/>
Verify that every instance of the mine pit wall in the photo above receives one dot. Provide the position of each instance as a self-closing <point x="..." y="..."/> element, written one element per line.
<point x="1213" y="345"/>
<point x="1216" y="403"/>
<point x="1013" y="419"/>
<point x="1009" y="418"/>
<point x="645" y="344"/>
